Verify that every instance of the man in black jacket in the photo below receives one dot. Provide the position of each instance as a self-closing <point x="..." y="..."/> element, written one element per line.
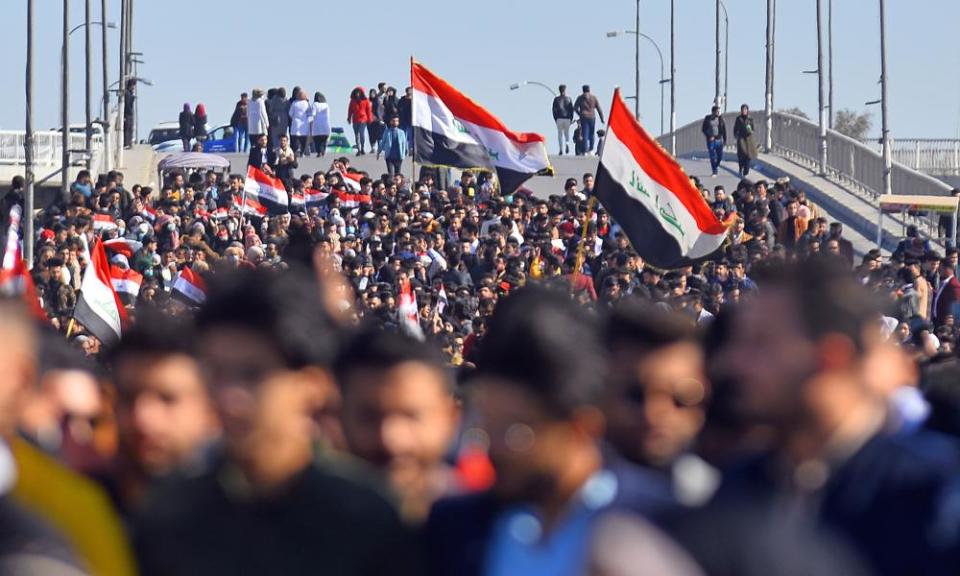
<point x="266" y="506"/>
<point x="715" y="131"/>
<point x="563" y="116"/>
<point x="262" y="156"/>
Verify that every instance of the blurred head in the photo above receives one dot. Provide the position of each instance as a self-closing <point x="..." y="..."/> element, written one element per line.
<point x="539" y="374"/>
<point x="18" y="361"/>
<point x="398" y="413"/>
<point x="796" y="353"/>
<point x="164" y="414"/>
<point x="655" y="394"/>
<point x="268" y="368"/>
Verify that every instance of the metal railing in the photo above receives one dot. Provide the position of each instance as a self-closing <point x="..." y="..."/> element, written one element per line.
<point x="852" y="164"/>
<point x="936" y="156"/>
<point x="46" y="148"/>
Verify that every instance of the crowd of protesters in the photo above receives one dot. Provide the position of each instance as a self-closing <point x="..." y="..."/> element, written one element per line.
<point x="785" y="407"/>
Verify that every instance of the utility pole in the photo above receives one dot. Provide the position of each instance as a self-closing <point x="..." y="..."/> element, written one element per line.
<point x="673" y="78"/>
<point x="726" y="53"/>
<point x="636" y="79"/>
<point x="768" y="105"/>
<point x="124" y="18"/>
<point x="830" y="60"/>
<point x="65" y="104"/>
<point x="887" y="164"/>
<point x="822" y="92"/>
<point x="88" y="35"/>
<point x="716" y="92"/>
<point x="27" y="216"/>
<point x="105" y="154"/>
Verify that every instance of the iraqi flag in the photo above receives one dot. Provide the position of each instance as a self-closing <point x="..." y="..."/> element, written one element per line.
<point x="297" y="202"/>
<point x="450" y="129"/>
<point x="15" y="278"/>
<point x="314" y="198"/>
<point x="351" y="180"/>
<point x="251" y="207"/>
<point x="408" y="317"/>
<point x="190" y="286"/>
<point x="127" y="284"/>
<point x="104" y="223"/>
<point x="649" y="195"/>
<point x="124" y="246"/>
<point x="267" y="190"/>
<point x="99" y="307"/>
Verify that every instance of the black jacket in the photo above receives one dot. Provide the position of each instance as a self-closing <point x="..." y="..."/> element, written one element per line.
<point x="257" y="155"/>
<point x="562" y="108"/>
<point x="705" y="127"/>
<point x="406" y="112"/>
<point x="186" y="124"/>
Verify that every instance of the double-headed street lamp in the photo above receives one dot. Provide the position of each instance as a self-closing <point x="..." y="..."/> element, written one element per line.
<point x="663" y="80"/>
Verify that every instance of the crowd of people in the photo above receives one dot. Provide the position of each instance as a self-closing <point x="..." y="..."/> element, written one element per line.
<point x="433" y="377"/>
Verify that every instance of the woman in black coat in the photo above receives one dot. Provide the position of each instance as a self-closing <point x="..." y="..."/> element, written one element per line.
<point x="186" y="127"/>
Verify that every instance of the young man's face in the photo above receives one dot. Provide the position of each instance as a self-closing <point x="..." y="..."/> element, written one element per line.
<point x="262" y="406"/>
<point x="163" y="412"/>
<point x="401" y="420"/>
<point x="654" y="403"/>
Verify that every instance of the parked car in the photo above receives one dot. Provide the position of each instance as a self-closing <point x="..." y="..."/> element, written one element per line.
<point x="338" y="143"/>
<point x="220" y="140"/>
<point x="165" y="137"/>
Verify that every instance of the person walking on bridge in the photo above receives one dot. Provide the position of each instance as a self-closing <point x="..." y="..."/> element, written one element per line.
<point x="563" y="116"/>
<point x="715" y="131"/>
<point x="746" y="144"/>
<point x="588" y="108"/>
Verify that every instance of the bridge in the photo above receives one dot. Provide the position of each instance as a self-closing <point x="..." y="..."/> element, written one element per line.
<point x="848" y="192"/>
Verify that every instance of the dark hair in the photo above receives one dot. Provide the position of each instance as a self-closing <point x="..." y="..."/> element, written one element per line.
<point x="155" y="334"/>
<point x="376" y="349"/>
<point x="639" y="323"/>
<point x="284" y="308"/>
<point x="56" y="354"/>
<point x="829" y="300"/>
<point x="540" y="341"/>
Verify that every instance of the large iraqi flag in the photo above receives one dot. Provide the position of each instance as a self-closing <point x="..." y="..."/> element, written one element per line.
<point x="266" y="190"/>
<point x="450" y="129"/>
<point x="649" y="195"/>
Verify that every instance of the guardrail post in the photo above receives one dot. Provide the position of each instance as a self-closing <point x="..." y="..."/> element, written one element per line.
<point x="956" y="158"/>
<point x="916" y="155"/>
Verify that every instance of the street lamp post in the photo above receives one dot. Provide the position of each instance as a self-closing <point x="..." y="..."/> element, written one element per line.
<point x="88" y="117"/>
<point x="663" y="80"/>
<point x="106" y="86"/>
<point x="768" y="104"/>
<point x="821" y="92"/>
<point x="726" y="52"/>
<point x="518" y="85"/>
<point x="27" y="215"/>
<point x="673" y="79"/>
<point x="830" y="62"/>
<point x="65" y="104"/>
<point x="636" y="76"/>
<point x="885" y="127"/>
<point x="716" y="69"/>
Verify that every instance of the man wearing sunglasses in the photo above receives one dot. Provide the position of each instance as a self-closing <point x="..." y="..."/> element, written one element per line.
<point x="654" y="404"/>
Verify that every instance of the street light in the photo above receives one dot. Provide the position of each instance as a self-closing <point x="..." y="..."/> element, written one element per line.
<point x="518" y="85"/>
<point x="663" y="80"/>
<point x="88" y="99"/>
<point x="726" y="53"/>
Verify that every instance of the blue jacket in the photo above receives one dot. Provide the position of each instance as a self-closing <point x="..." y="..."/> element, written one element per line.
<point x="387" y="141"/>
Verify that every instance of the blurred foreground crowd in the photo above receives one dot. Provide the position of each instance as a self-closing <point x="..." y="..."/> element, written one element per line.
<point x="783" y="408"/>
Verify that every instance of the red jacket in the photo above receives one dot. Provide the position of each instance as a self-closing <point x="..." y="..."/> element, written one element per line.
<point x="360" y="111"/>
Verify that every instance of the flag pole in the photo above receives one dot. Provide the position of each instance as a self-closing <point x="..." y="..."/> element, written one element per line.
<point x="582" y="248"/>
<point x="70" y="326"/>
<point x="413" y="143"/>
<point x="243" y="205"/>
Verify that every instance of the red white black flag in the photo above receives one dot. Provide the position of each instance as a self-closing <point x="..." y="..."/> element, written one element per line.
<point x="651" y="198"/>
<point x="99" y="307"/>
<point x="450" y="129"/>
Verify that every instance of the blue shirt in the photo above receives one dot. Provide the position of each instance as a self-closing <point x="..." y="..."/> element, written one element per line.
<point x="394" y="142"/>
<point x="518" y="545"/>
